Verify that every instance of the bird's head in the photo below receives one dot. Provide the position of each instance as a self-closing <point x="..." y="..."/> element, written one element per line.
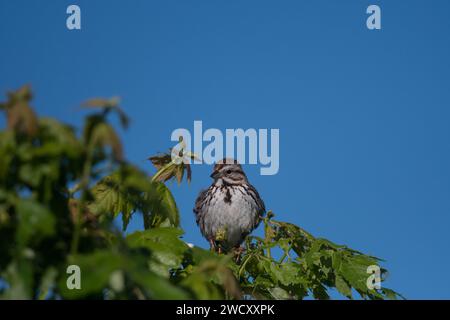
<point x="229" y="171"/>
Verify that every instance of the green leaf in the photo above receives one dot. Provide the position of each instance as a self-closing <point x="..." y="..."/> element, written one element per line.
<point x="19" y="276"/>
<point x="111" y="197"/>
<point x="200" y="255"/>
<point x="164" y="243"/>
<point x="121" y="192"/>
<point x="202" y="288"/>
<point x="36" y="174"/>
<point x="279" y="293"/>
<point x="35" y="221"/>
<point x="7" y="154"/>
<point x="161" y="206"/>
<point x="168" y="169"/>
<point x="158" y="287"/>
<point x="129" y="190"/>
<point x="286" y="273"/>
<point x="47" y="283"/>
<point x="99" y="271"/>
<point x="53" y="130"/>
<point x="336" y="259"/>
<point x="212" y="279"/>
<point x="343" y="287"/>
<point x="391" y="294"/>
<point x="96" y="269"/>
<point x="320" y="292"/>
<point x="354" y="270"/>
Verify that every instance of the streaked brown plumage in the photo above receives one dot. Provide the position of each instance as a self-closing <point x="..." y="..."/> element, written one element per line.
<point x="230" y="208"/>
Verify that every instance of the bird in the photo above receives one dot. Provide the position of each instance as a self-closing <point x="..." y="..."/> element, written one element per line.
<point x="230" y="209"/>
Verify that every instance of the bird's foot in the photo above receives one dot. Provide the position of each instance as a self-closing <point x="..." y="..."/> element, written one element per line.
<point x="238" y="251"/>
<point x="215" y="247"/>
<point x="212" y="245"/>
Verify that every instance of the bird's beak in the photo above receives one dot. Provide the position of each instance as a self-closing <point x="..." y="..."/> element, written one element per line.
<point x="215" y="175"/>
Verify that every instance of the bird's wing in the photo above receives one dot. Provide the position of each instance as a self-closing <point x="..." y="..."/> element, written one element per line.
<point x="258" y="200"/>
<point x="261" y="208"/>
<point x="199" y="202"/>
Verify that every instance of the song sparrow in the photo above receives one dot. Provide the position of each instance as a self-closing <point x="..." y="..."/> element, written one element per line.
<point x="230" y="208"/>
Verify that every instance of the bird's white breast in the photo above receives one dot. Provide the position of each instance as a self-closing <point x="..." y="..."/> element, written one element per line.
<point x="234" y="213"/>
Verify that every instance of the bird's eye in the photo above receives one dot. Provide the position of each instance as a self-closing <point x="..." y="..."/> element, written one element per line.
<point x="228" y="171"/>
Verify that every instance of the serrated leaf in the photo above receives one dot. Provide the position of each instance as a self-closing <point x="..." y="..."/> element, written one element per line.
<point x="123" y="192"/>
<point x="162" y="206"/>
<point x="354" y="270"/>
<point x="286" y="273"/>
<point x="168" y="169"/>
<point x="342" y="286"/>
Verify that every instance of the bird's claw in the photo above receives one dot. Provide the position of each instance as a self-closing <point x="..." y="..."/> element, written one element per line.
<point x="238" y="251"/>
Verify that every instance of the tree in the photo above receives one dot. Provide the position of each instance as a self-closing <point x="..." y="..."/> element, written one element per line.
<point x="60" y="191"/>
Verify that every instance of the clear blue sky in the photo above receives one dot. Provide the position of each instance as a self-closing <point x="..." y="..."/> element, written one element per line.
<point x="363" y="115"/>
